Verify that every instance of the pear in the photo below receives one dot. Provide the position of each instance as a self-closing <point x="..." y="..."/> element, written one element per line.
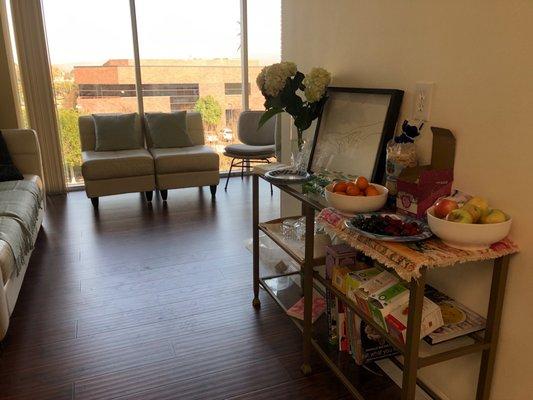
<point x="479" y="202"/>
<point x="474" y="210"/>
<point x="493" y="217"/>
<point x="460" y="215"/>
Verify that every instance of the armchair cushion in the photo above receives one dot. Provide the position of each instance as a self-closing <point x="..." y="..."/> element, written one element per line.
<point x="185" y="159"/>
<point x="166" y="130"/>
<point x="117" y="132"/>
<point x="116" y="164"/>
<point x="246" y="150"/>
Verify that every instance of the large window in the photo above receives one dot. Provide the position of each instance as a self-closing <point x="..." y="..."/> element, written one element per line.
<point x="264" y="43"/>
<point x="201" y="49"/>
<point x="91" y="52"/>
<point x="23" y="117"/>
<point x="190" y="59"/>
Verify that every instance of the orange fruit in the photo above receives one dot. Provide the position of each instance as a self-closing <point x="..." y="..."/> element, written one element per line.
<point x="372" y="191"/>
<point x="353" y="190"/>
<point x="362" y="183"/>
<point x="340" y="186"/>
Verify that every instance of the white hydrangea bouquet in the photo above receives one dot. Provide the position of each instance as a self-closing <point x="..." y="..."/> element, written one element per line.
<point x="280" y="83"/>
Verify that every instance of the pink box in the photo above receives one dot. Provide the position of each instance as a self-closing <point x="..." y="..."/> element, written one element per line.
<point x="341" y="255"/>
<point x="419" y="187"/>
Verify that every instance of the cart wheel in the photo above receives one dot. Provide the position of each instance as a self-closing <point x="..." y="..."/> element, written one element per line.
<point x="306" y="369"/>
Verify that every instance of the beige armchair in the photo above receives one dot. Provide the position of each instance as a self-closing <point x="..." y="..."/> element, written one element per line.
<point x="183" y="167"/>
<point x="141" y="170"/>
<point x="114" y="172"/>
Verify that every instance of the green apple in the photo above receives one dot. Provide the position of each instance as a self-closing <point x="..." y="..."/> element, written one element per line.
<point x="460" y="215"/>
<point x="494" y="217"/>
<point x="479" y="202"/>
<point x="474" y="210"/>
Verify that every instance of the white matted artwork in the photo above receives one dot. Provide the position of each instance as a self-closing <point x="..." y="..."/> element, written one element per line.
<point x="353" y="130"/>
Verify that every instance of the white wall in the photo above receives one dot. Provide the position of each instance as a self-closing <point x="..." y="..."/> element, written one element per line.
<point x="479" y="53"/>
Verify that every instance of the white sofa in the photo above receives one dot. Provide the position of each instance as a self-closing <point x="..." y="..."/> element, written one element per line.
<point x="25" y="152"/>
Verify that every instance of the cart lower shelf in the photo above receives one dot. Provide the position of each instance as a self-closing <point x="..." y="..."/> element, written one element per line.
<point x="363" y="382"/>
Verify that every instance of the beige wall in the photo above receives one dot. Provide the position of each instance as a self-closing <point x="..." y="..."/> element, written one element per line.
<point x="479" y="53"/>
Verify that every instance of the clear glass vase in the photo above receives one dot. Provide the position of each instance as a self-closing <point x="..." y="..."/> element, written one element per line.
<point x="300" y="153"/>
<point x="399" y="156"/>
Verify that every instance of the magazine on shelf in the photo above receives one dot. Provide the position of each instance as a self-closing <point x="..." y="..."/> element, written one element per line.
<point x="459" y="320"/>
<point x="297" y="310"/>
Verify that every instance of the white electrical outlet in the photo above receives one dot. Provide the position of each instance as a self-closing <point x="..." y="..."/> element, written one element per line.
<point x="422" y="100"/>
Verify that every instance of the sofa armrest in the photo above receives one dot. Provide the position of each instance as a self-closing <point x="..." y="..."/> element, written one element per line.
<point x="25" y="151"/>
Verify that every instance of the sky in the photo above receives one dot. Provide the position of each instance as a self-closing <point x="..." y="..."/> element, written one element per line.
<point x="91" y="32"/>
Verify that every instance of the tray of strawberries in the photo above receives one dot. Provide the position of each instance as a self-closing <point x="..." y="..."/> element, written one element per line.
<point x="389" y="227"/>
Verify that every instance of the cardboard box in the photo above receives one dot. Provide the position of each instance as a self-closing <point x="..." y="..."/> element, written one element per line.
<point x="338" y="278"/>
<point x="431" y="320"/>
<point x="382" y="303"/>
<point x="354" y="279"/>
<point x="419" y="187"/>
<point x="339" y="254"/>
<point x="377" y="283"/>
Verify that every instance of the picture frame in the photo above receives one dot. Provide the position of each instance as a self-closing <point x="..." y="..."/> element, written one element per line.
<point x="353" y="130"/>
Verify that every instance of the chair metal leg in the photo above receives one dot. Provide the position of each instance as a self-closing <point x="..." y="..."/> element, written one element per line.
<point x="271" y="188"/>
<point x="229" y="174"/>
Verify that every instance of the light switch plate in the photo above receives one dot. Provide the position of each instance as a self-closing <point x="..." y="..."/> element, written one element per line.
<point x="423" y="96"/>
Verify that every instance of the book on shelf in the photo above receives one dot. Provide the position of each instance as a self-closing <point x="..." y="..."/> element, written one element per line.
<point x="297" y="310"/>
<point x="366" y="343"/>
<point x="459" y="320"/>
<point x="359" y="339"/>
<point x="344" y="340"/>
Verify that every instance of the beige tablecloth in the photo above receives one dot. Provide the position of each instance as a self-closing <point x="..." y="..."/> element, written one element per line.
<point x="408" y="258"/>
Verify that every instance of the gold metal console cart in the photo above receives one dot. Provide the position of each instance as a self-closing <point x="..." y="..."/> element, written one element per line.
<point x="363" y="384"/>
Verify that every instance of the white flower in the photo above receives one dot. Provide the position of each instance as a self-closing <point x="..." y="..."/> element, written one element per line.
<point x="261" y="78"/>
<point x="316" y="82"/>
<point x="289" y="67"/>
<point x="272" y="79"/>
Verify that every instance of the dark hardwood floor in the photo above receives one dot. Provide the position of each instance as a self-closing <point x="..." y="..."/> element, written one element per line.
<point x="152" y="302"/>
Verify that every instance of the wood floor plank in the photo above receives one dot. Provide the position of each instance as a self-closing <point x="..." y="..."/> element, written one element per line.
<point x="322" y="384"/>
<point x="60" y="392"/>
<point x="220" y="384"/>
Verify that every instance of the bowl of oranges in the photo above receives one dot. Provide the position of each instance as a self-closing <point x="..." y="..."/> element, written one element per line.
<point x="356" y="196"/>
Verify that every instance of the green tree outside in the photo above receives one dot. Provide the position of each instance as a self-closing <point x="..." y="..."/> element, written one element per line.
<point x="70" y="138"/>
<point x="211" y="111"/>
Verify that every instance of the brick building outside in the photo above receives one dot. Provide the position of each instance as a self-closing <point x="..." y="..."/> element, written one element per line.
<point x="168" y="85"/>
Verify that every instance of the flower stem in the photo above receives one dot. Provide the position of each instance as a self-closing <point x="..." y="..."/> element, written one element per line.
<point x="300" y="138"/>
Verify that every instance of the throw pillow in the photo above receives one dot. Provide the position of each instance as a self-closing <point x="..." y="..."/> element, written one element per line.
<point x="8" y="171"/>
<point x="117" y="132"/>
<point x="167" y="129"/>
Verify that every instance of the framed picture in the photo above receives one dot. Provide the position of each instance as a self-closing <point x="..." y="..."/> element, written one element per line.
<point x="353" y="131"/>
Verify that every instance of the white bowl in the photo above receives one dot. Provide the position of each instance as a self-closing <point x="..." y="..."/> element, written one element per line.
<point x="357" y="204"/>
<point x="468" y="236"/>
